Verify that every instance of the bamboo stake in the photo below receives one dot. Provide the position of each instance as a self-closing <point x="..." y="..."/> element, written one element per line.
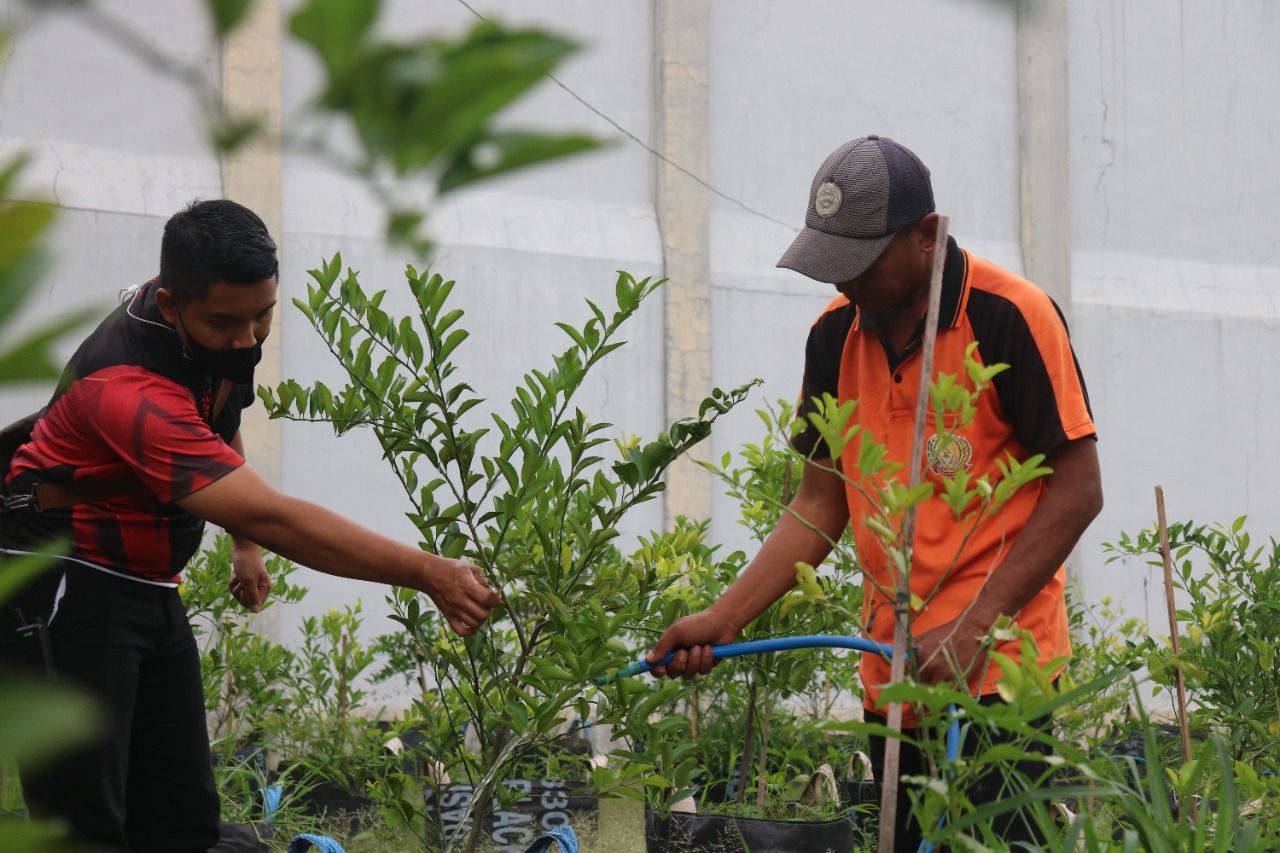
<point x="744" y="769"/>
<point x="762" y="780"/>
<point x="1183" y="723"/>
<point x="901" y="639"/>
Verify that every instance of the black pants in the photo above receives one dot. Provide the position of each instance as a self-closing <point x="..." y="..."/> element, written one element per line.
<point x="1013" y="827"/>
<point x="146" y="784"/>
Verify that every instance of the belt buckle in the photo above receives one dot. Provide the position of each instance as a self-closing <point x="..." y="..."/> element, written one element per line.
<point x="27" y="501"/>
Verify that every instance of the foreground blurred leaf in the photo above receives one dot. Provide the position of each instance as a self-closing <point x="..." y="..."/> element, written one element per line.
<point x="18" y="572"/>
<point x="23" y="228"/>
<point x="504" y="152"/>
<point x="228" y="14"/>
<point x="39" y="719"/>
<point x="20" y="834"/>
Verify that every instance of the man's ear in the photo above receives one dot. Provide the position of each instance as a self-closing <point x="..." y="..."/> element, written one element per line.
<point x="168" y="308"/>
<point x="927" y="231"/>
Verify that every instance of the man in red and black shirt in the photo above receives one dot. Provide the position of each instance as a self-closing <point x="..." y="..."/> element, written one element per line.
<point x="871" y="230"/>
<point x="138" y="448"/>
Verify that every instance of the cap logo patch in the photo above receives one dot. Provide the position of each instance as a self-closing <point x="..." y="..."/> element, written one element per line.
<point x="828" y="199"/>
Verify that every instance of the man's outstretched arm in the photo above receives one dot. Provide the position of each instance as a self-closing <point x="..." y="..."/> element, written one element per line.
<point x="250" y="582"/>
<point x="245" y="505"/>
<point x="820" y="501"/>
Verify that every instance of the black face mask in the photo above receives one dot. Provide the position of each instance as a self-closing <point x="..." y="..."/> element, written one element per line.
<point x="235" y="365"/>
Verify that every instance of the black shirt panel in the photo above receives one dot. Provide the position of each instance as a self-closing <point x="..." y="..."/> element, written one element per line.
<point x="822" y="355"/>
<point x="1025" y="390"/>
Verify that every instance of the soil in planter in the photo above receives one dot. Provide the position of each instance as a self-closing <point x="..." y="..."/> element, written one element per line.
<point x="544" y="804"/>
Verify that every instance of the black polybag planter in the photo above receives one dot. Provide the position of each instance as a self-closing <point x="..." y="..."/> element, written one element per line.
<point x="694" y="833"/>
<point x="241" y="838"/>
<point x="332" y="802"/>
<point x="680" y="832"/>
<point x="859" y="792"/>
<point x="545" y="804"/>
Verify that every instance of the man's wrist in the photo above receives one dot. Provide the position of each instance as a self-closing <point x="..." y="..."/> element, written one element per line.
<point x="428" y="572"/>
<point x="727" y="614"/>
<point x="245" y="547"/>
<point x="976" y="626"/>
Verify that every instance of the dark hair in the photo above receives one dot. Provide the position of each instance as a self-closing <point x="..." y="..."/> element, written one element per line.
<point x="214" y="241"/>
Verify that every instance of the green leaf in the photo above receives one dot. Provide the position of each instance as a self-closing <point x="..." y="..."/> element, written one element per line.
<point x="504" y="152"/>
<point x="36" y="837"/>
<point x="232" y="133"/>
<point x="450" y="344"/>
<point x="628" y="794"/>
<point x="448" y="94"/>
<point x="39" y="720"/>
<point x="550" y="670"/>
<point x="573" y="333"/>
<point x="18" y="572"/>
<point x="335" y="29"/>
<point x="227" y="14"/>
<point x="404" y="228"/>
<point x="32" y="357"/>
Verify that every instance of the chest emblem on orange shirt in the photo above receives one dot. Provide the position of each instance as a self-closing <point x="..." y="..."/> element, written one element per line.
<point x="948" y="456"/>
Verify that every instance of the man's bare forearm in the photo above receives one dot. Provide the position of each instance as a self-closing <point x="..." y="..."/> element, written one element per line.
<point x="325" y="541"/>
<point x="244" y="505"/>
<point x="806" y="532"/>
<point x="809" y="527"/>
<point x="238" y="541"/>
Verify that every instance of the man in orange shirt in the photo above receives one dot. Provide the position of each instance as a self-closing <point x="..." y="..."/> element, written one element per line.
<point x="871" y="231"/>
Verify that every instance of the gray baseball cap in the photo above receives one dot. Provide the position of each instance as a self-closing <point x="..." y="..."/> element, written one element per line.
<point x="864" y="193"/>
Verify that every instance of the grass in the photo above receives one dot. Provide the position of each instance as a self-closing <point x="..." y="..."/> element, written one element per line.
<point x="621" y="827"/>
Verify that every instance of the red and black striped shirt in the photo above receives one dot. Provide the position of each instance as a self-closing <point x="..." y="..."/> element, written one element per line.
<point x="129" y="403"/>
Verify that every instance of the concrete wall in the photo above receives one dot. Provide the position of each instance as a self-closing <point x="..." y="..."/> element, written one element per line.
<point x="1175" y="119"/>
<point x="849" y="69"/>
<point x="1173" y="115"/>
<point x="525" y="253"/>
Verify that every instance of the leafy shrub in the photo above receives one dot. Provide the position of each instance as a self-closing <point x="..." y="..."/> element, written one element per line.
<point x="1229" y="631"/>
<point x="528" y="497"/>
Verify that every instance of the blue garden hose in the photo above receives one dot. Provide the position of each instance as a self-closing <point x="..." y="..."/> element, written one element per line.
<point x="782" y="644"/>
<point x="757" y="647"/>
<point x="320" y="843"/>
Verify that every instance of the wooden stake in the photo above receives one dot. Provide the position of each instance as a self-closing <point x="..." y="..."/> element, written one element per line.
<point x="745" y="768"/>
<point x="762" y="780"/>
<point x="902" y="601"/>
<point x="1183" y="723"/>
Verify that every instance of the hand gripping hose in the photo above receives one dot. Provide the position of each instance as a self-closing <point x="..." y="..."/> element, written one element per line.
<point x="782" y="644"/>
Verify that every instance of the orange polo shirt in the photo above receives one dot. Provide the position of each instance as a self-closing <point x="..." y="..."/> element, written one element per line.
<point x="1036" y="405"/>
